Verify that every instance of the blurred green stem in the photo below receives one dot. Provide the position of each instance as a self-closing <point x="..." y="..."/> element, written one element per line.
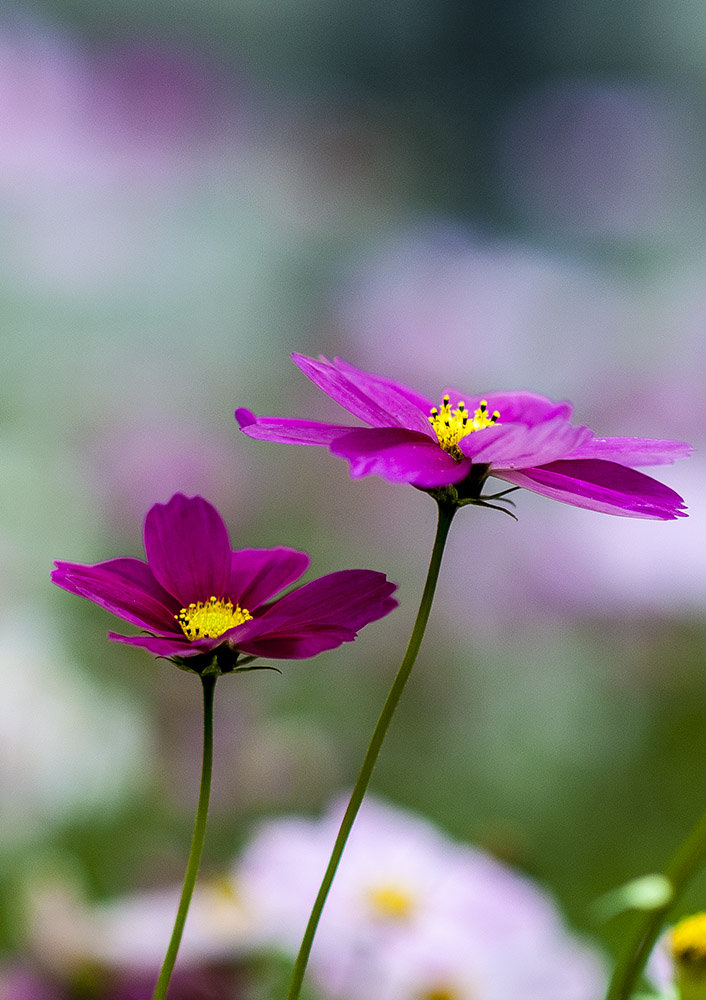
<point x="446" y="513"/>
<point x="687" y="860"/>
<point x="208" y="681"/>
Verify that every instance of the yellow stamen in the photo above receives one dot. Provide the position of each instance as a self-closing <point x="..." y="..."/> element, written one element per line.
<point x="452" y="425"/>
<point x="391" y="902"/>
<point x="210" y="619"/>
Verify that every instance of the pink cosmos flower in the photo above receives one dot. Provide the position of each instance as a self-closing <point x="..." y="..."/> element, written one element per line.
<point x="522" y="438"/>
<point x="197" y="598"/>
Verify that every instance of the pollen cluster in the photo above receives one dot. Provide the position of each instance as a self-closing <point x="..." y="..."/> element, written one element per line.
<point x="210" y="619"/>
<point x="688" y="943"/>
<point x="452" y="425"/>
<point x="390" y="902"/>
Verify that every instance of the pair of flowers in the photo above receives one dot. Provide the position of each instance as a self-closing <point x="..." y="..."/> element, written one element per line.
<point x="199" y="602"/>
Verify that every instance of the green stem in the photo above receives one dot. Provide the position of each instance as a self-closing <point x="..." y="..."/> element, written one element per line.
<point x="446" y="513"/>
<point x="192" y="868"/>
<point x="686" y="861"/>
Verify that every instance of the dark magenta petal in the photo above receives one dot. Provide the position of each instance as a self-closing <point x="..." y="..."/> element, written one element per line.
<point x="188" y="549"/>
<point x="325" y="612"/>
<point x="377" y="401"/>
<point x="348" y="599"/>
<point x="632" y="451"/>
<point x="518" y="446"/>
<point x="288" y="430"/>
<point x="514" y="407"/>
<point x="125" y="587"/>
<point x="400" y="456"/>
<point x="298" y="645"/>
<point x="258" y="574"/>
<point x="599" y="485"/>
<point x="164" y="646"/>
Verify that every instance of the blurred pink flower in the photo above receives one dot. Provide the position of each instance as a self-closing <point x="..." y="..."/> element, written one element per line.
<point x="142" y="457"/>
<point x="411" y="914"/>
<point x="21" y="982"/>
<point x="71" y="114"/>
<point x="493" y="311"/>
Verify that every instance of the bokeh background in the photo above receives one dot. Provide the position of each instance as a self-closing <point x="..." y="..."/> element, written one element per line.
<point x="496" y="196"/>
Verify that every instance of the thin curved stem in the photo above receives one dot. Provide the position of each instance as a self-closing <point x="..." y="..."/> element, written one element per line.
<point x="446" y="513"/>
<point x="192" y="868"/>
<point x="686" y="861"/>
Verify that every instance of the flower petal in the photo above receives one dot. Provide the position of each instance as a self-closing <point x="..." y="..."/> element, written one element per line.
<point x="421" y="403"/>
<point x="632" y="451"/>
<point x="298" y="645"/>
<point x="400" y="456"/>
<point x="515" y="407"/>
<point x="188" y="549"/>
<point x="288" y="430"/>
<point x="518" y="446"/>
<point x="600" y="485"/>
<point x="378" y="401"/>
<point x="258" y="574"/>
<point x="162" y="645"/>
<point x="125" y="587"/>
<point x="349" y="599"/>
<point x="318" y="616"/>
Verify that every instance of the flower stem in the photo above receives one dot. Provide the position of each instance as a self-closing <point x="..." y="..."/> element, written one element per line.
<point x="446" y="513"/>
<point x="684" y="864"/>
<point x="208" y="681"/>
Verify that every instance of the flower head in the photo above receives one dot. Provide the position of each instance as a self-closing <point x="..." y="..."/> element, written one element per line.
<point x="522" y="438"/>
<point x="195" y="597"/>
<point x="412" y="915"/>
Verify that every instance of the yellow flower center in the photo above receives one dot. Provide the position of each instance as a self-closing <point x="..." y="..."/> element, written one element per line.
<point x="452" y="425"/>
<point x="441" y="993"/>
<point x="688" y="943"/>
<point x="390" y="902"/>
<point x="688" y="947"/>
<point x="210" y="619"/>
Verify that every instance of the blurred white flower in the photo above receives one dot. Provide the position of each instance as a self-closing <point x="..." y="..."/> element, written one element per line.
<point x="412" y="915"/>
<point x="67" y="746"/>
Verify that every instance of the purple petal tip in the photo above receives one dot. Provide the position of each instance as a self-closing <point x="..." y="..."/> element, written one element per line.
<point x="245" y="417"/>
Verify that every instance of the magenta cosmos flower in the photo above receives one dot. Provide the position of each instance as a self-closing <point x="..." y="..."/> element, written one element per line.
<point x="524" y="439"/>
<point x="195" y="597"/>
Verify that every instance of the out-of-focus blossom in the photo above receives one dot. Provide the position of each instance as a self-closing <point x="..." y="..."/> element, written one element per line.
<point x="440" y="297"/>
<point x="411" y="914"/>
<point x="677" y="965"/>
<point x="609" y="159"/>
<point x="622" y="572"/>
<point x="71" y="114"/>
<point x="142" y="458"/>
<point x="52" y="722"/>
<point x="524" y="439"/>
<point x="198" y="598"/>
<point x="124" y="940"/>
<point x="19" y="982"/>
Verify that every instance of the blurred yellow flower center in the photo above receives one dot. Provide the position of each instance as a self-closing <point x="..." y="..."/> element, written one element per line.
<point x="452" y="425"/>
<point x="441" y="993"/>
<point x="688" y="941"/>
<point x="210" y="619"/>
<point x="391" y="902"/>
